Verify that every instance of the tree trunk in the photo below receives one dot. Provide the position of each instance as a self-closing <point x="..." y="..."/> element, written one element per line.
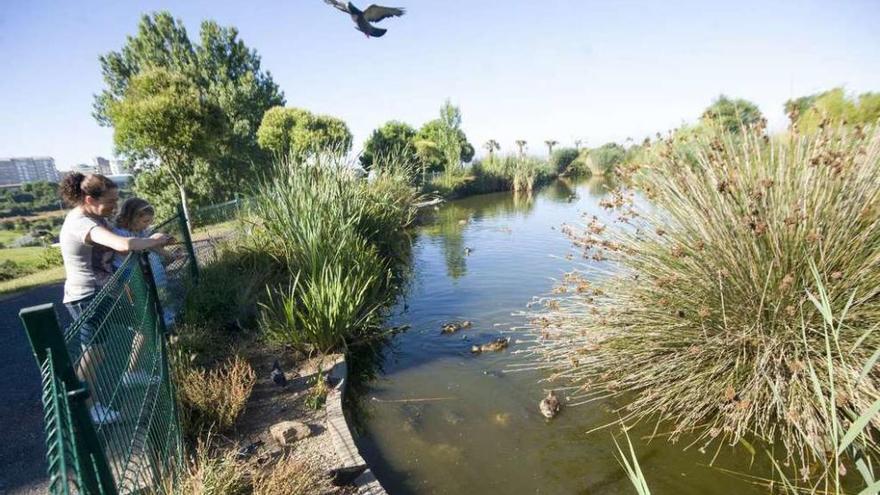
<point x="183" y="204"/>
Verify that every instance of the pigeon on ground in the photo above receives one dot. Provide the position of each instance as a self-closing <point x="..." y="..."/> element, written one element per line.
<point x="278" y="375"/>
<point x="363" y="18"/>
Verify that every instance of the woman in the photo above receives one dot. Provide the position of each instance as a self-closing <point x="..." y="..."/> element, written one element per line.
<point x="87" y="246"/>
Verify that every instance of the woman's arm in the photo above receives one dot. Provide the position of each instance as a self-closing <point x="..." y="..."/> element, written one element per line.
<point x="105" y="237"/>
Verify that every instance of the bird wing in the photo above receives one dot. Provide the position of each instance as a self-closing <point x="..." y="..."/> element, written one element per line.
<point x="370" y="30"/>
<point x="338" y="5"/>
<point x="375" y="13"/>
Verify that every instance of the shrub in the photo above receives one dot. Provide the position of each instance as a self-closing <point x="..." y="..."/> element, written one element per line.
<point x="291" y="477"/>
<point x="212" y="398"/>
<point x="10" y="270"/>
<point x="562" y="158"/>
<point x="229" y="287"/>
<point x="336" y="235"/>
<point x="211" y="472"/>
<point x="50" y="257"/>
<point x="708" y="325"/>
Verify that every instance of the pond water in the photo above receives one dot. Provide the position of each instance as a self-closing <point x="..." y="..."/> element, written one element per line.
<point x="475" y="428"/>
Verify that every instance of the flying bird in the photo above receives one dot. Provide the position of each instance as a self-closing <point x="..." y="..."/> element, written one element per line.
<point x="363" y="18"/>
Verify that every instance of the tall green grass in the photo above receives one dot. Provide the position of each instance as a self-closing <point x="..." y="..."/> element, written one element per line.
<point x="698" y="309"/>
<point x="337" y="237"/>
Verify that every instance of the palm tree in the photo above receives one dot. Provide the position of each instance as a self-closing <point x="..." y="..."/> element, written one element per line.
<point x="577" y="144"/>
<point x="550" y="144"/>
<point x="491" y="146"/>
<point x="520" y="143"/>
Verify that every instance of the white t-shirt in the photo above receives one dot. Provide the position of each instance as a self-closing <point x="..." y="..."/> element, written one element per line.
<point x="87" y="266"/>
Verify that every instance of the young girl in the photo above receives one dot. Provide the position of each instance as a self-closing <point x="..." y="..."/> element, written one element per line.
<point x="87" y="247"/>
<point x="135" y="216"/>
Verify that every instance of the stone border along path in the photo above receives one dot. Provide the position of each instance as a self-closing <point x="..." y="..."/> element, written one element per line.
<point x="352" y="463"/>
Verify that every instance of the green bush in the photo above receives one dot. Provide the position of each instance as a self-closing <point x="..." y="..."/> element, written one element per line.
<point x="10" y="270"/>
<point x="229" y="287"/>
<point x="562" y="158"/>
<point x="335" y="235"/>
<point x="50" y="257"/>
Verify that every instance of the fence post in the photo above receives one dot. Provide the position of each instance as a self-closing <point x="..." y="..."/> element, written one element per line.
<point x="147" y="270"/>
<point x="47" y="342"/>
<point x="187" y="239"/>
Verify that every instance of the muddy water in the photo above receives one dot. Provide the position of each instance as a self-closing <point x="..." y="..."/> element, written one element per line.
<point x="437" y="419"/>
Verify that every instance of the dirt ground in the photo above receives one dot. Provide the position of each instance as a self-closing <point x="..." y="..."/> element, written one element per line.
<point x="270" y="404"/>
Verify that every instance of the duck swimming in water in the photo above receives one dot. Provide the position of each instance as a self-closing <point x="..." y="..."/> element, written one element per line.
<point x="455" y="326"/>
<point x="496" y="345"/>
<point x="549" y="406"/>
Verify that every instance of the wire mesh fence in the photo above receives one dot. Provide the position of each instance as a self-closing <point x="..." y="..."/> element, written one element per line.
<point x="109" y="402"/>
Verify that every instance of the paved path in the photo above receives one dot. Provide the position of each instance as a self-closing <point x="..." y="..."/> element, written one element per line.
<point x="22" y="441"/>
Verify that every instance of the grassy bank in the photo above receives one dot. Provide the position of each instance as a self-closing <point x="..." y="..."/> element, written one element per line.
<point x="705" y="316"/>
<point x="494" y="174"/>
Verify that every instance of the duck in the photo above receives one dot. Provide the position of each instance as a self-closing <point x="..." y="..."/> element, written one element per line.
<point x="496" y="345"/>
<point x="455" y="326"/>
<point x="550" y="406"/>
<point x="468" y="251"/>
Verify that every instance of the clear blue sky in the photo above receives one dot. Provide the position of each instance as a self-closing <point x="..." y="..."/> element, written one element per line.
<point x="528" y="69"/>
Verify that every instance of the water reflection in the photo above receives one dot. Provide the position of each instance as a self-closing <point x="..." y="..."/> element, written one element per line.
<point x="437" y="419"/>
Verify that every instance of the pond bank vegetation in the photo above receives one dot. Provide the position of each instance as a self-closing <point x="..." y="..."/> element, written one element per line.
<point x="735" y="297"/>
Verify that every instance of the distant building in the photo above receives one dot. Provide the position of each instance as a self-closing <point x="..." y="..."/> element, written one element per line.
<point x="28" y="169"/>
<point x="119" y="167"/>
<point x="84" y="168"/>
<point x="102" y="165"/>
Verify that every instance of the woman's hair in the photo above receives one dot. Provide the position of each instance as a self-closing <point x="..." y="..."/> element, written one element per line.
<point x="131" y="208"/>
<point x="75" y="187"/>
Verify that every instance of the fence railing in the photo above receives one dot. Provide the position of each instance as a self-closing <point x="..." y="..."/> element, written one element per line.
<point x="109" y="403"/>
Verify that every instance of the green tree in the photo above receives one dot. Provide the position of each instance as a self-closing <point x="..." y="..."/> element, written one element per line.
<point x="392" y="137"/>
<point x="604" y="158"/>
<point x="286" y="131"/>
<point x="228" y="75"/>
<point x="833" y="107"/>
<point x="164" y="117"/>
<point x="732" y="115"/>
<point x="429" y="142"/>
<point x="322" y="134"/>
<point x="562" y="158"/>
<point x="491" y="146"/>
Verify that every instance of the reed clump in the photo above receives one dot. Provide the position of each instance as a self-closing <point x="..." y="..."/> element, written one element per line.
<point x="699" y="310"/>
<point x="338" y="237"/>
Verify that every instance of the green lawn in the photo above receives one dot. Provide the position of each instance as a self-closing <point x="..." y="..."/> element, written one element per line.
<point x="26" y="256"/>
<point x="7" y="236"/>
<point x="37" y="279"/>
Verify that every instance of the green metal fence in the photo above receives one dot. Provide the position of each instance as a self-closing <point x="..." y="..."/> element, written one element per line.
<point x="110" y="411"/>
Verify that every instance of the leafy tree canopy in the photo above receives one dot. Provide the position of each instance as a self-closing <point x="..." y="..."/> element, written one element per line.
<point x="296" y="131"/>
<point x="226" y="73"/>
<point x="562" y="158"/>
<point x="392" y="137"/>
<point x="834" y="107"/>
<point x="732" y="115"/>
<point x="165" y="117"/>
<point x="430" y="139"/>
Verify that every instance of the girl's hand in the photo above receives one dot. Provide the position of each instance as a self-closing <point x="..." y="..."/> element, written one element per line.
<point x="164" y="239"/>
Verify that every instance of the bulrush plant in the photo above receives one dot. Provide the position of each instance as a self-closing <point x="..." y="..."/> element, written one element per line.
<point x="213" y="398"/>
<point x="337" y="237"/>
<point x="698" y="314"/>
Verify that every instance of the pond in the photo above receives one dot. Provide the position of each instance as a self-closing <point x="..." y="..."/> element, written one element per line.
<point x="437" y="419"/>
